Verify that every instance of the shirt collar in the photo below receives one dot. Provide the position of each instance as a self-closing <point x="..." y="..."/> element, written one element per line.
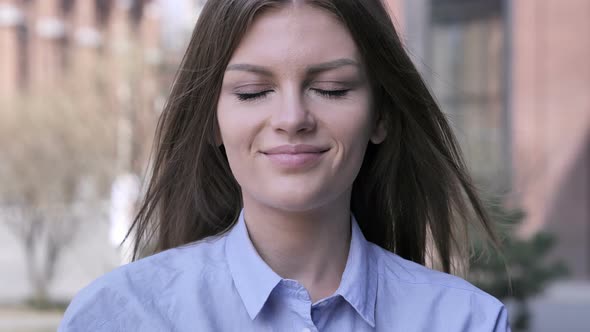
<point x="358" y="285"/>
<point x="255" y="280"/>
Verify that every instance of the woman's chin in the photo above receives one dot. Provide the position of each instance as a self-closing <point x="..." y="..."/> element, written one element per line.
<point x="293" y="205"/>
<point x="298" y="202"/>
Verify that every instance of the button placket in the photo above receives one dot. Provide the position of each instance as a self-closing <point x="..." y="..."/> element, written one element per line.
<point x="300" y="301"/>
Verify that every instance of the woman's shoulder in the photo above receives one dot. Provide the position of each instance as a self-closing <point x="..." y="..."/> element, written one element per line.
<point x="156" y="271"/>
<point x="131" y="289"/>
<point x="443" y="299"/>
<point x="396" y="269"/>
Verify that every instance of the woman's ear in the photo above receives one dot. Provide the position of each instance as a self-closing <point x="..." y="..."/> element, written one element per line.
<point x="379" y="133"/>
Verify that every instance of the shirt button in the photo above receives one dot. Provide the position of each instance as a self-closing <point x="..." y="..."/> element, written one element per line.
<point x="306" y="330"/>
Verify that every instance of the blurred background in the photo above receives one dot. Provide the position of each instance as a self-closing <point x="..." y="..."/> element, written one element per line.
<point x="82" y="83"/>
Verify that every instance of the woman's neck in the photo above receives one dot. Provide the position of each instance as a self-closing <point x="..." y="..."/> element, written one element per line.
<point x="310" y="247"/>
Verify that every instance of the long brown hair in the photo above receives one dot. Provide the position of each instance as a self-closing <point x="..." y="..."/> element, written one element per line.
<point x="412" y="196"/>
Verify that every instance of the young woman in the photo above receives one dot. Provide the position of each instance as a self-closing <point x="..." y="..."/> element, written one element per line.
<point x="303" y="177"/>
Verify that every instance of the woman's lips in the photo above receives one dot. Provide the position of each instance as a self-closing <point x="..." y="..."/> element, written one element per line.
<point x="294" y="160"/>
<point x="295" y="156"/>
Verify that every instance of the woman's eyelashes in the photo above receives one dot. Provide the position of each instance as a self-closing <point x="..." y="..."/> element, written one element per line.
<point x="252" y="96"/>
<point x="330" y="94"/>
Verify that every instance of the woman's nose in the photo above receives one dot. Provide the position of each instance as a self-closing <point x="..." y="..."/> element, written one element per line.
<point x="292" y="115"/>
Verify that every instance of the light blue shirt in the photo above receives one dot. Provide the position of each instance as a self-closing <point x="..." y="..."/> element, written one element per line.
<point x="222" y="284"/>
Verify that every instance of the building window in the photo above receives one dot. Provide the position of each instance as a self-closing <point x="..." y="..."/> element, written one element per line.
<point x="466" y="48"/>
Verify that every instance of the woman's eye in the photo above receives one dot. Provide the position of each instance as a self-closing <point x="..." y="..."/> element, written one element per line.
<point x="262" y="94"/>
<point x="332" y="93"/>
<point x="252" y="96"/>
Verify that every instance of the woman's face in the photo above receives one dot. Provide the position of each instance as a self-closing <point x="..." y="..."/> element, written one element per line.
<point x="295" y="111"/>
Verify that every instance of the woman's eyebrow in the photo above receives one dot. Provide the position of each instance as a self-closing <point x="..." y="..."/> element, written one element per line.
<point x="310" y="70"/>
<point x="249" y="68"/>
<point x="321" y="67"/>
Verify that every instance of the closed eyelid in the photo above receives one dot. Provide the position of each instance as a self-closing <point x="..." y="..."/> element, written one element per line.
<point x="334" y="84"/>
<point x="252" y="87"/>
<point x="337" y="85"/>
<point x="246" y="88"/>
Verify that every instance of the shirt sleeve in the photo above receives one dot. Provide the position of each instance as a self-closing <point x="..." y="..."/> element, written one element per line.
<point x="93" y="310"/>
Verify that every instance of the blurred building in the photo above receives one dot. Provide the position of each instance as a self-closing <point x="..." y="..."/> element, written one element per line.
<point x="47" y="44"/>
<point x="514" y="79"/>
<point x="107" y="53"/>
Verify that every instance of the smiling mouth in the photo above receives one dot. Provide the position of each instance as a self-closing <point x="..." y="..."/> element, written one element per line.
<point x="295" y="157"/>
<point x="295" y="149"/>
<point x="294" y="160"/>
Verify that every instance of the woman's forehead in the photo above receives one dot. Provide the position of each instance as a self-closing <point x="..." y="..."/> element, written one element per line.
<point x="295" y="36"/>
